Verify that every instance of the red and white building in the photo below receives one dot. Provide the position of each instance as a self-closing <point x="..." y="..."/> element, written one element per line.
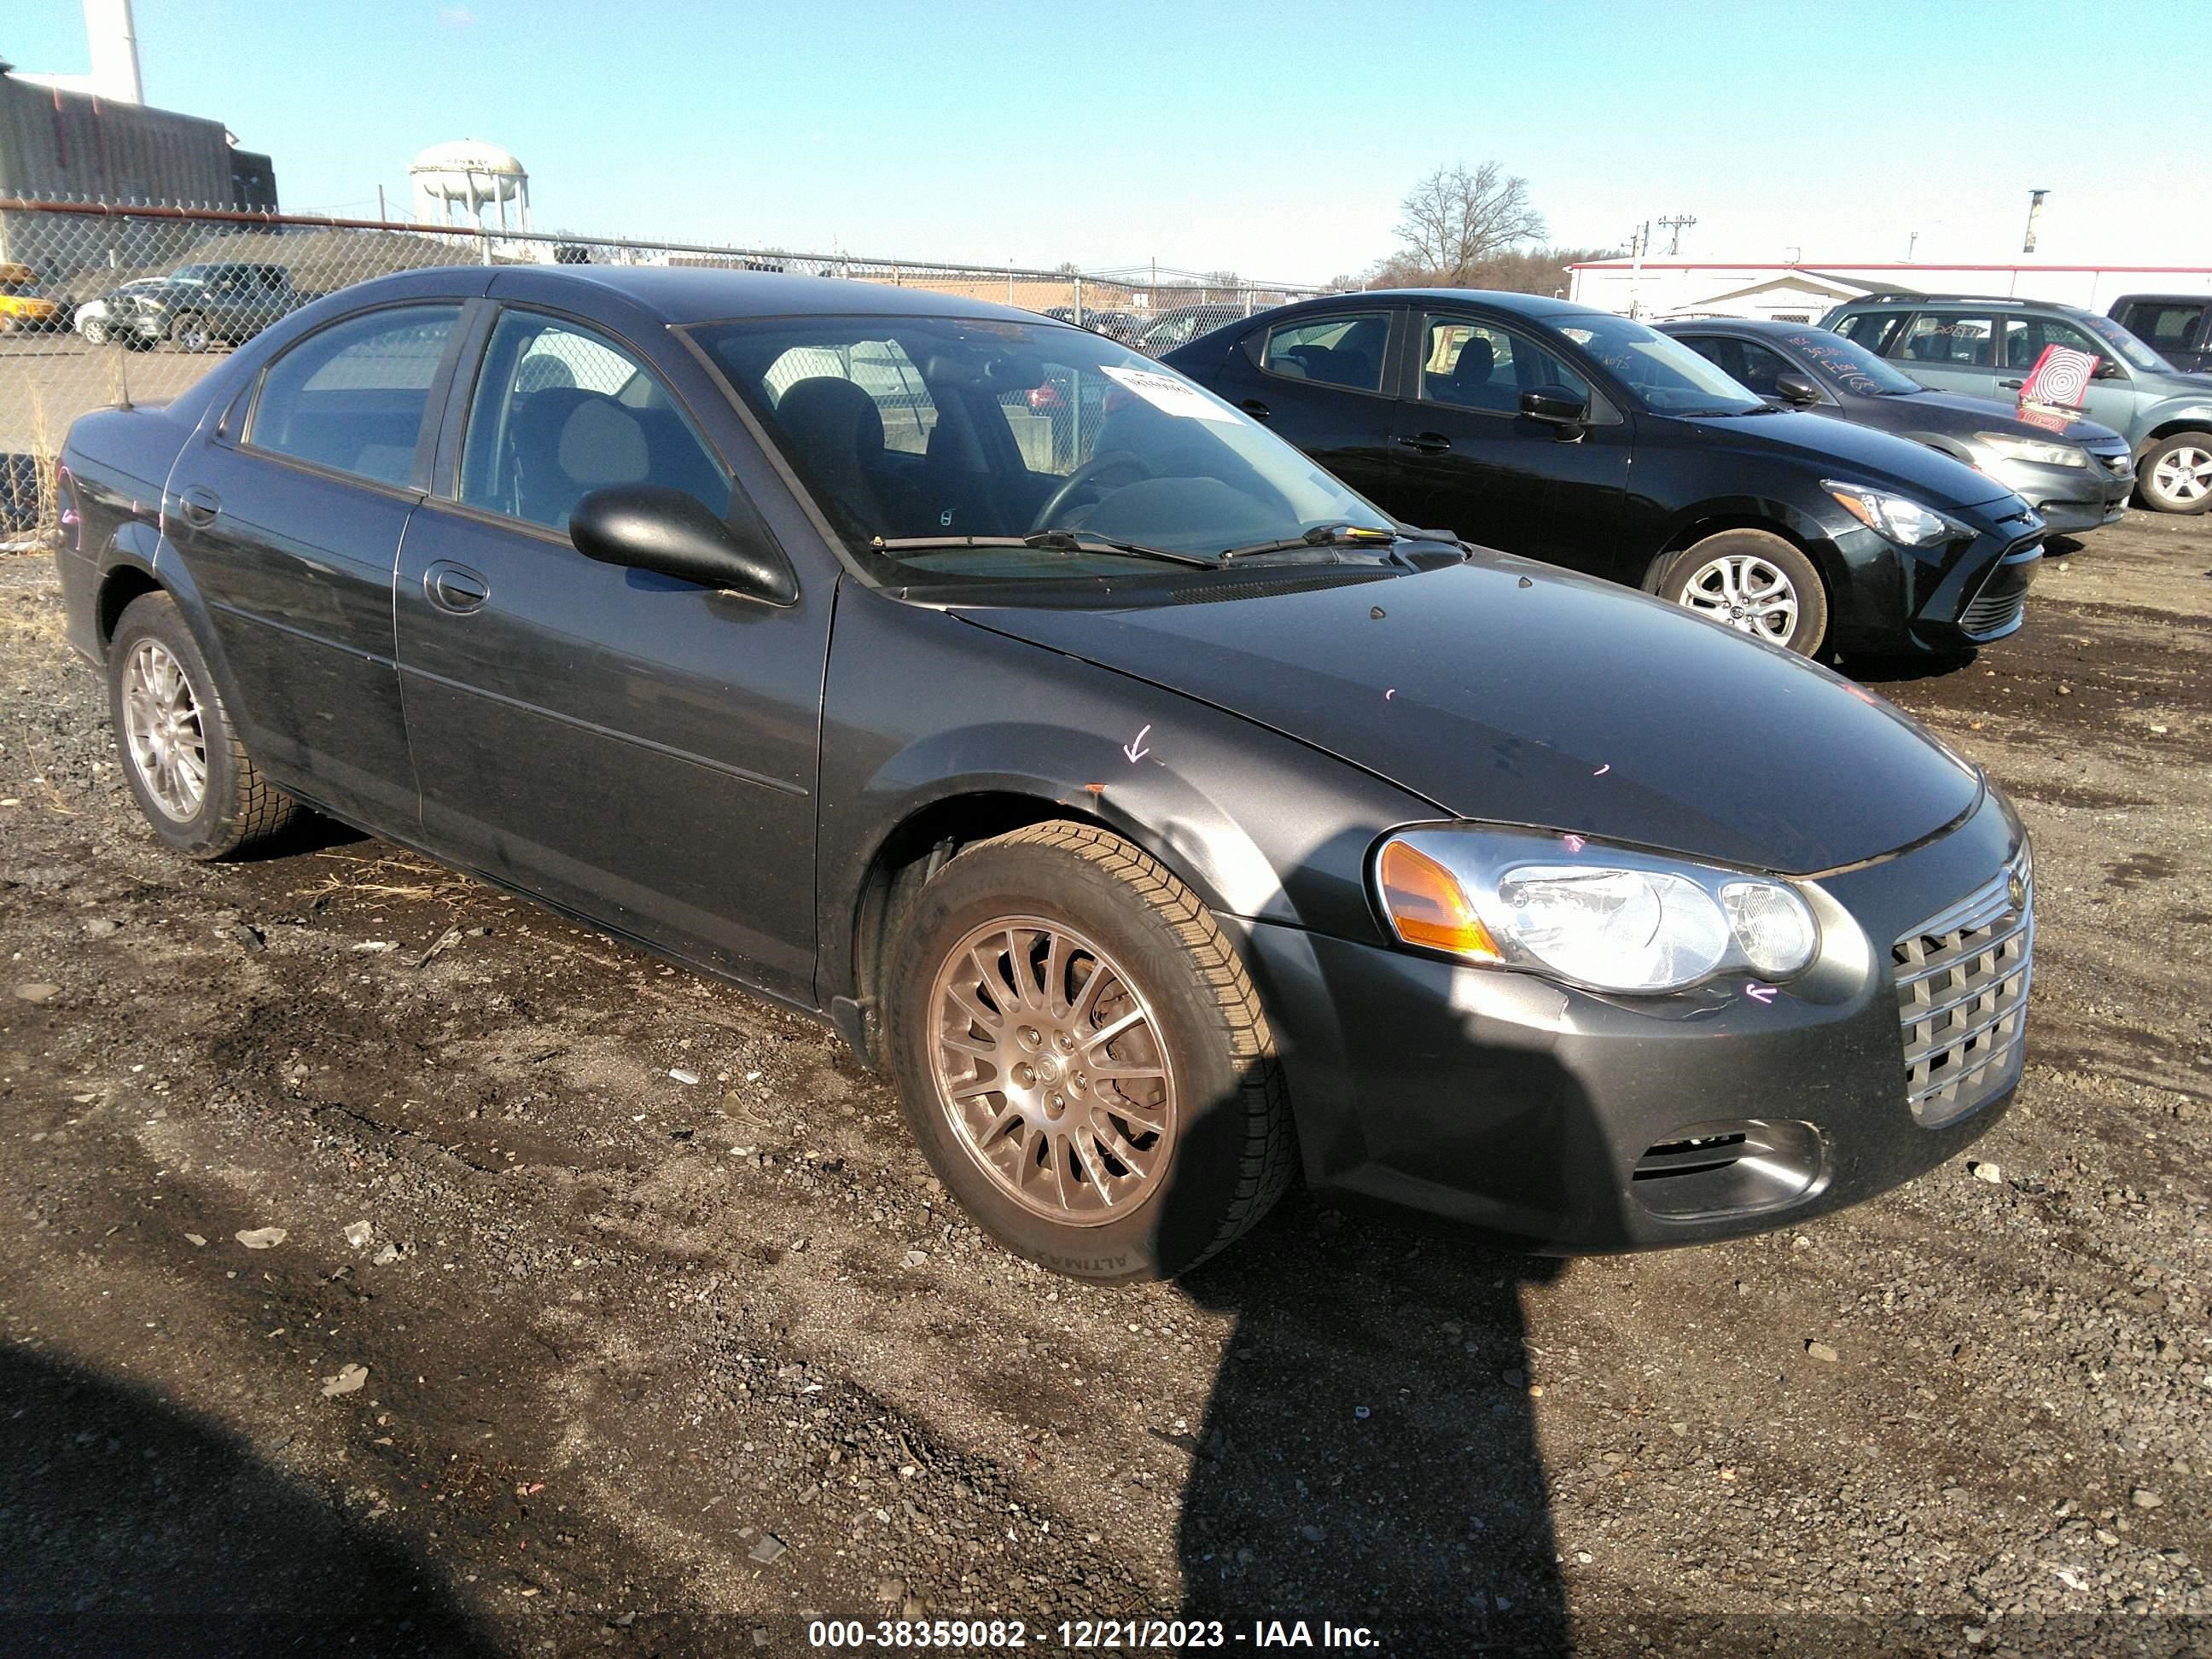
<point x="1803" y="292"/>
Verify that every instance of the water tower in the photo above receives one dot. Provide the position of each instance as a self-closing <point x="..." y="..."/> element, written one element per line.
<point x="472" y="177"/>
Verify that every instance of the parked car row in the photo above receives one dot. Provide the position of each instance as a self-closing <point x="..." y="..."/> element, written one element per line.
<point x="1983" y="347"/>
<point x="1591" y="441"/>
<point x="195" y="307"/>
<point x="1159" y="810"/>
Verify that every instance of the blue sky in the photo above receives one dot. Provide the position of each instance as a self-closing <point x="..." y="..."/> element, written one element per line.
<point x="1276" y="139"/>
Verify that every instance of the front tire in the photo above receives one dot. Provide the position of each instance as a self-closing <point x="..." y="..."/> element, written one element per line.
<point x="2177" y="474"/>
<point x="191" y="775"/>
<point x="94" y="331"/>
<point x="1754" y="581"/>
<point x="1082" y="1056"/>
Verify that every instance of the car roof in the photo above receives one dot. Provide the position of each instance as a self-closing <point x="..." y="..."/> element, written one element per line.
<point x="1748" y="325"/>
<point x="1917" y="301"/>
<point x="678" y="295"/>
<point x="1498" y="299"/>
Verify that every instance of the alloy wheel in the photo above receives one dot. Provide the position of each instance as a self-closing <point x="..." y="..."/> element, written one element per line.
<point x="1747" y="594"/>
<point x="1052" y="1070"/>
<point x="2184" y="475"/>
<point x="162" y="731"/>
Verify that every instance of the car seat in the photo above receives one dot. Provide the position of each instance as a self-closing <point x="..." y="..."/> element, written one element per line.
<point x="834" y="431"/>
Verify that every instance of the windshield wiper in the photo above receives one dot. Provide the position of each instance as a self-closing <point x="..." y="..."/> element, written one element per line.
<point x="1326" y="535"/>
<point x="1057" y="541"/>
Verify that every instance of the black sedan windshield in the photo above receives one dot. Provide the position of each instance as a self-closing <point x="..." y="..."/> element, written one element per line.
<point x="1665" y="375"/>
<point x="915" y="433"/>
<point x="1850" y="366"/>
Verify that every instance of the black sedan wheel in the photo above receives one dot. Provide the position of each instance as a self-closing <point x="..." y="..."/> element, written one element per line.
<point x="193" y="778"/>
<point x="1083" y="1058"/>
<point x="190" y="333"/>
<point x="1755" y="582"/>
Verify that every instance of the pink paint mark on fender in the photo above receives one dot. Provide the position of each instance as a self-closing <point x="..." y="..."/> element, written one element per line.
<point x="1759" y="992"/>
<point x="1391" y="693"/>
<point x="1573" y="843"/>
<point x="1136" y="750"/>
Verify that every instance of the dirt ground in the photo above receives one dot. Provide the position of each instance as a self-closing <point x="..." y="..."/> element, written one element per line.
<point x="671" y="1345"/>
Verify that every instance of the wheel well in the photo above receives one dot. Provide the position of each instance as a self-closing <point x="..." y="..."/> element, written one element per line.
<point x="2175" y="429"/>
<point x="1694" y="532"/>
<point x="909" y="856"/>
<point x="123" y="584"/>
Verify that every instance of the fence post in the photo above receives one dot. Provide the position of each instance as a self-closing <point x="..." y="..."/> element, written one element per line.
<point x="1079" y="306"/>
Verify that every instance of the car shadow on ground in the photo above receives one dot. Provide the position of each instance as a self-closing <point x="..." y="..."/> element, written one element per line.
<point x="129" y="1526"/>
<point x="1369" y="1456"/>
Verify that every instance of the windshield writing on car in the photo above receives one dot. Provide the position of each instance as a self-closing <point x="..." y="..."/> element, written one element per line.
<point x="971" y="435"/>
<point x="2141" y="355"/>
<point x="1664" y="375"/>
<point x="1850" y="365"/>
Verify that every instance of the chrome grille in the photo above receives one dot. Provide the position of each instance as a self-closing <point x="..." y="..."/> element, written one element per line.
<point x="1962" y="980"/>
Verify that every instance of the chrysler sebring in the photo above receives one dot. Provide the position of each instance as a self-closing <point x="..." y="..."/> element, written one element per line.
<point x="1162" y="816"/>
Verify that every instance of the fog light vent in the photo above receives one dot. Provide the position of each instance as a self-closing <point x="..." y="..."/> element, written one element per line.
<point x="1733" y="1168"/>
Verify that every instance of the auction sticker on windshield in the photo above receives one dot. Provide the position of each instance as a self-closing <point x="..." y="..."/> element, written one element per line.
<point x="1170" y="395"/>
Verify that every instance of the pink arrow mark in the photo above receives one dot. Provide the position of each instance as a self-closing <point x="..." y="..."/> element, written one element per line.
<point x="1759" y="992"/>
<point x="1136" y="750"/>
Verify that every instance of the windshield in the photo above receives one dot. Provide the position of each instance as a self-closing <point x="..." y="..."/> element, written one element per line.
<point x="908" y="429"/>
<point x="1666" y="376"/>
<point x="2128" y="346"/>
<point x="1850" y="365"/>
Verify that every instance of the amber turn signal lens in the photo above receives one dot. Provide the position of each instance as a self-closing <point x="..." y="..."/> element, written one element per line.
<point x="1426" y="907"/>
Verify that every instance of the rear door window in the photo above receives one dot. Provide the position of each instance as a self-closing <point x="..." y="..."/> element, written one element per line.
<point x="1877" y="330"/>
<point x="352" y="396"/>
<point x="1950" y="339"/>
<point x="1343" y="349"/>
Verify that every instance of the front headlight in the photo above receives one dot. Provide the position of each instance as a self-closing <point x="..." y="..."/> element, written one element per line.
<point x="1607" y="919"/>
<point x="2008" y="448"/>
<point x="1897" y="517"/>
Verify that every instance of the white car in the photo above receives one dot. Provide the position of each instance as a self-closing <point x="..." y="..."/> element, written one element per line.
<point x="92" y="316"/>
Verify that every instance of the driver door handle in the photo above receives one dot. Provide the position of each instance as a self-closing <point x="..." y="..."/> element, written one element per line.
<point x="2012" y="385"/>
<point x="1429" y="443"/>
<point x="1255" y="408"/>
<point x="454" y="587"/>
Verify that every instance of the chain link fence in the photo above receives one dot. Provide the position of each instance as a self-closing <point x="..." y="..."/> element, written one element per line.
<point x="101" y="303"/>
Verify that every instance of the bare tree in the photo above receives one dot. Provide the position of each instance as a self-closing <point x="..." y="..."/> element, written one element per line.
<point x="1456" y="221"/>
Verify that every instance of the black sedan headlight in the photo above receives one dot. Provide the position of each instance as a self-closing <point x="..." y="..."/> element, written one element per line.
<point x="1603" y="918"/>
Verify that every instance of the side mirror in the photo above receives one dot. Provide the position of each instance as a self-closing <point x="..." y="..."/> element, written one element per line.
<point x="1555" y="405"/>
<point x="654" y="528"/>
<point x="2106" y="369"/>
<point x="1796" y="389"/>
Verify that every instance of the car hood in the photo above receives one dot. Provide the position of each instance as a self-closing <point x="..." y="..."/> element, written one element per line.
<point x="1959" y="411"/>
<point x="1505" y="691"/>
<point x="1860" y="454"/>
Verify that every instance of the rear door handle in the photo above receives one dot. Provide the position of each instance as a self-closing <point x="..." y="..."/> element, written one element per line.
<point x="454" y="587"/>
<point x="1429" y="443"/>
<point x="2012" y="385"/>
<point x="199" y="506"/>
<point x="1255" y="408"/>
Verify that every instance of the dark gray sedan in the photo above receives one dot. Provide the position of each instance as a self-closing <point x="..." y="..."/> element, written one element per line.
<point x="2077" y="474"/>
<point x="1160" y="814"/>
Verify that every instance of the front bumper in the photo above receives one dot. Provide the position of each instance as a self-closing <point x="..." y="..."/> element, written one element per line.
<point x="1564" y="1122"/>
<point x="2073" y="499"/>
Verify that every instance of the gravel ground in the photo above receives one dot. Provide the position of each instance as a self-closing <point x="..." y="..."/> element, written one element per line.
<point x="670" y="1343"/>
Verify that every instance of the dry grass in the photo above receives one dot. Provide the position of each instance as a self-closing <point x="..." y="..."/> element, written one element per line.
<point x="388" y="876"/>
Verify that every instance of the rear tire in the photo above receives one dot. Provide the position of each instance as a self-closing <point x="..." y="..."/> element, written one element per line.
<point x="189" y="333"/>
<point x="2176" y="476"/>
<point x="1755" y="582"/>
<point x="1187" y="1125"/>
<point x="182" y="758"/>
<point x="94" y="332"/>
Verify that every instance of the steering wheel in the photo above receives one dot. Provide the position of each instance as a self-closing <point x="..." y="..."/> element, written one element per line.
<point x="1083" y="476"/>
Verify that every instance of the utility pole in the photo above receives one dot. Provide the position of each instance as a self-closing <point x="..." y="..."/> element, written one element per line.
<point x="1637" y="243"/>
<point x="2034" y="212"/>
<point x="380" y="203"/>
<point x="1676" y="224"/>
<point x="1912" y="243"/>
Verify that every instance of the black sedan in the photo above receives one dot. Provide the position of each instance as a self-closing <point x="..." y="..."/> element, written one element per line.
<point x="1162" y="818"/>
<point x="2077" y="474"/>
<point x="1590" y="440"/>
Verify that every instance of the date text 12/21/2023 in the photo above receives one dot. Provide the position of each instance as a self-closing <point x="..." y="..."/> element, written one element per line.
<point x="1084" y="1635"/>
